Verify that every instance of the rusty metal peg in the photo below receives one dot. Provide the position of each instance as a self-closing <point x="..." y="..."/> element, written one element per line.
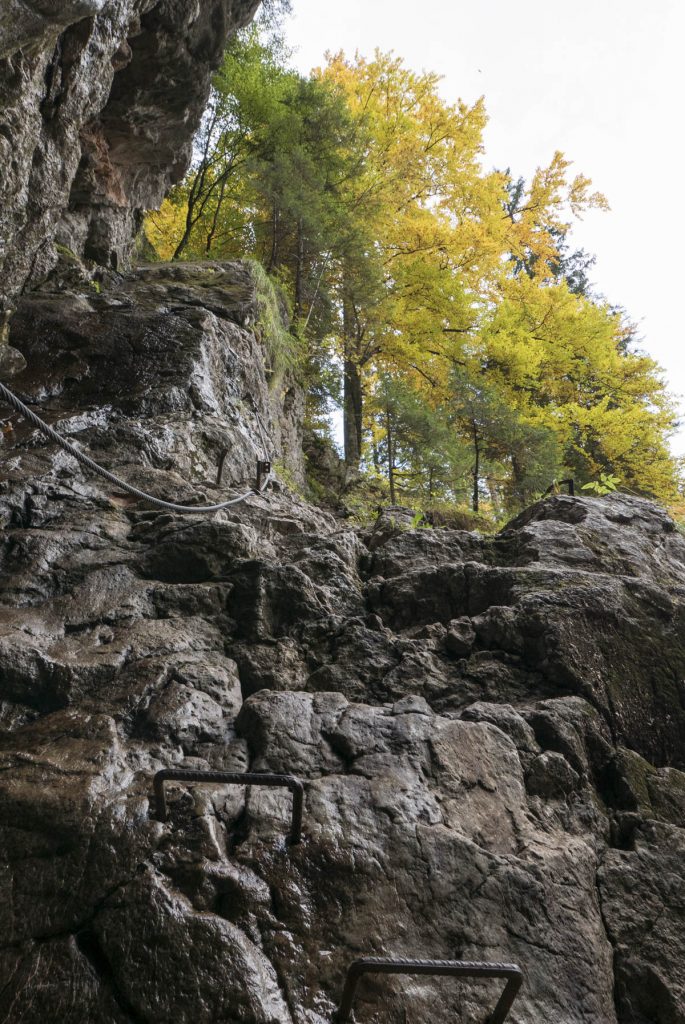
<point x="460" y="968"/>
<point x="233" y="778"/>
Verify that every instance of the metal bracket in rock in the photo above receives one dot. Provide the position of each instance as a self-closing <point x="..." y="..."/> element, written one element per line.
<point x="458" y="968"/>
<point x="569" y="483"/>
<point x="233" y="778"/>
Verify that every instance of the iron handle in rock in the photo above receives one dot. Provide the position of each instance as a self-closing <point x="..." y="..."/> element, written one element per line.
<point x="233" y="778"/>
<point x="569" y="483"/>
<point x="460" y="968"/>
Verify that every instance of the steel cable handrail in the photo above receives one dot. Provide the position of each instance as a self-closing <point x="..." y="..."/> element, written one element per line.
<point x="16" y="403"/>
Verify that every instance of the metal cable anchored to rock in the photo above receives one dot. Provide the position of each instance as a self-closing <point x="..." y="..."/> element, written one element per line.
<point x="262" y="481"/>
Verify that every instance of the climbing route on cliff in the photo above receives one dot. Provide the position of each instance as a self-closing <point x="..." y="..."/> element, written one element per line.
<point x="409" y="679"/>
<point x="262" y="478"/>
<point x="349" y="751"/>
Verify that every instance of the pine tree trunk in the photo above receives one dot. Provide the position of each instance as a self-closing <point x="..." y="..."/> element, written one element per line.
<point x="196" y="196"/>
<point x="215" y="218"/>
<point x="476" y="467"/>
<point x="353" y="398"/>
<point x="391" y="455"/>
<point x="299" y="273"/>
<point x="274" y="238"/>
<point x="517" y="478"/>
<point x="178" y="251"/>
<point x="352" y="414"/>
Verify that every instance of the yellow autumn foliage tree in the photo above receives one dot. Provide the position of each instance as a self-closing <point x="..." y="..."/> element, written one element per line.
<point x="475" y="358"/>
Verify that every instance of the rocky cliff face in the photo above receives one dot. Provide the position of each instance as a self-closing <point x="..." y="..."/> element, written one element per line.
<point x="489" y="730"/>
<point x="99" y="100"/>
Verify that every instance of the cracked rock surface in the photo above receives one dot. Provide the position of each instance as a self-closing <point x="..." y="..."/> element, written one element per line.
<point x="99" y="100"/>
<point x="489" y="730"/>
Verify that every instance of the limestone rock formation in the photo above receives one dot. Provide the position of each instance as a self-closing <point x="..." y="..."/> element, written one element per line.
<point x="99" y="100"/>
<point x="489" y="730"/>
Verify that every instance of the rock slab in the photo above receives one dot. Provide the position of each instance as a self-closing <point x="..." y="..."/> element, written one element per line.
<point x="489" y="730"/>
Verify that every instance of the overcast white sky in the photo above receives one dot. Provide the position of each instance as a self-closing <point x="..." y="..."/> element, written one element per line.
<point x="602" y="80"/>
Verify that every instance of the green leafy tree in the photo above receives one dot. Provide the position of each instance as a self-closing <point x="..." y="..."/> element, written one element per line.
<point x="415" y="446"/>
<point x="443" y="305"/>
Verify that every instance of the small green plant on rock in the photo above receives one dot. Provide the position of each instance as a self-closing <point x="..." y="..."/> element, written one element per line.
<point x="606" y="484"/>
<point x="286" y="476"/>
<point x="419" y="522"/>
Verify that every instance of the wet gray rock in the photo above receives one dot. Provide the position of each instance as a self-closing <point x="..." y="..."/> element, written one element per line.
<point x="99" y="100"/>
<point x="642" y="894"/>
<point x="141" y="356"/>
<point x="408" y="810"/>
<point x="11" y="361"/>
<point x="489" y="729"/>
<point x="460" y="637"/>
